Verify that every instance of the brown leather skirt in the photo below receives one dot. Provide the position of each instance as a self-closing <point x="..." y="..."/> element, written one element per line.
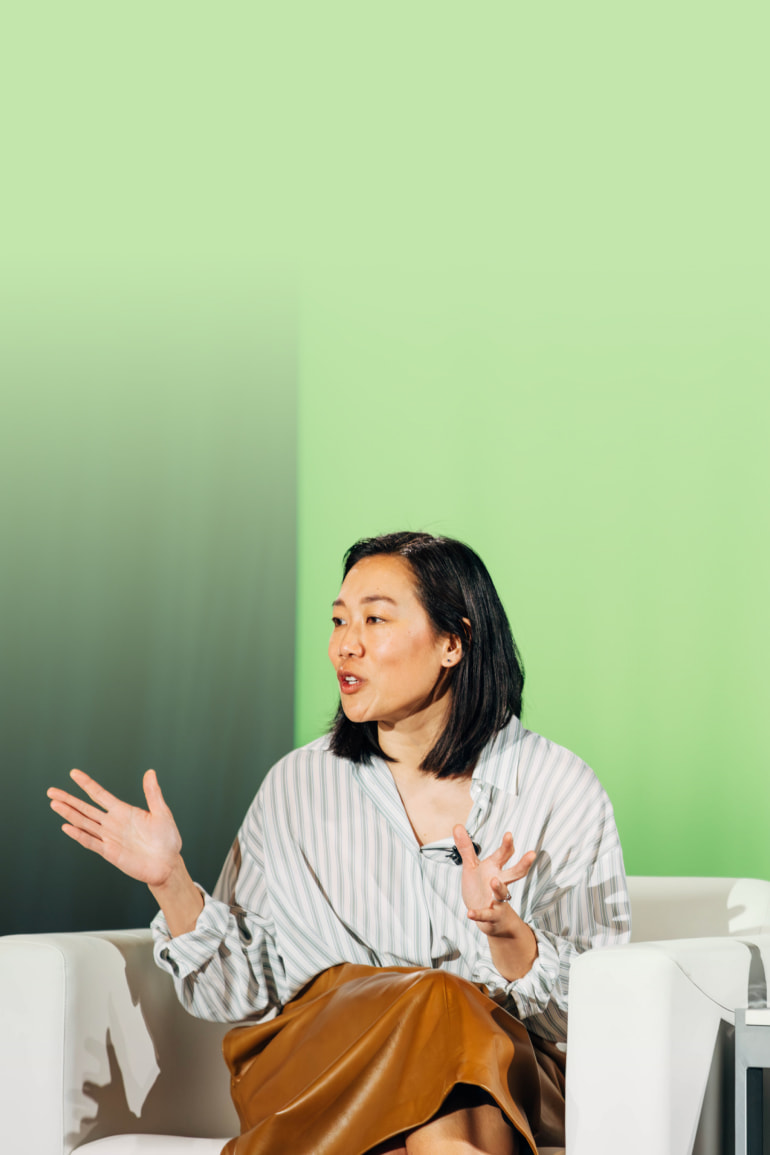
<point x="365" y="1053"/>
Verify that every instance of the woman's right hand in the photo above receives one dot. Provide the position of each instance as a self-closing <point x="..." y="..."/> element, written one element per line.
<point x="144" y="844"/>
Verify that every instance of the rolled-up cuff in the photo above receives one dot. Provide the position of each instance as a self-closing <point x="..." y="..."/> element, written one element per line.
<point x="531" y="993"/>
<point x="187" y="953"/>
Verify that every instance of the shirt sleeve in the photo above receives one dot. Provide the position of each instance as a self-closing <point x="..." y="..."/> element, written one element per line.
<point x="595" y="914"/>
<point x="228" y="968"/>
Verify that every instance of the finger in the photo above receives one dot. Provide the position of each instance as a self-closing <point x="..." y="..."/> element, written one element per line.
<point x="92" y="788"/>
<point x="79" y="805"/>
<point x="87" y="840"/>
<point x="500" y="890"/>
<point x="519" y="869"/>
<point x="488" y="914"/>
<point x="464" y="845"/>
<point x="77" y="819"/>
<point x="504" y="851"/>
<point x="63" y="796"/>
<point x="156" y="803"/>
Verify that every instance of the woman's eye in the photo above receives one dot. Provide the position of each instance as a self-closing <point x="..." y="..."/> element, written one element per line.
<point x="336" y="622"/>
<point x="373" y="619"/>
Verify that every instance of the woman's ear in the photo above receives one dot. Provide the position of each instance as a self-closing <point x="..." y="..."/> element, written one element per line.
<point x="453" y="650"/>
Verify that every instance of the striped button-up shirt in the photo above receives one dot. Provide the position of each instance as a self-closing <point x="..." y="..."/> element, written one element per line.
<point x="326" y="869"/>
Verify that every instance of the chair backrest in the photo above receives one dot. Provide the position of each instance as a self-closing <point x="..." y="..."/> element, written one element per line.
<point x="665" y="908"/>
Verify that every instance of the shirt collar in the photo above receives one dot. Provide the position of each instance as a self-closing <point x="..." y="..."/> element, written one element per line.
<point x="498" y="763"/>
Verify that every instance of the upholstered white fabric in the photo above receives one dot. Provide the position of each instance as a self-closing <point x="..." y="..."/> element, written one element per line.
<point x="153" y="1145"/>
<point x="649" y="1055"/>
<point x="94" y="1043"/>
<point x="97" y="1055"/>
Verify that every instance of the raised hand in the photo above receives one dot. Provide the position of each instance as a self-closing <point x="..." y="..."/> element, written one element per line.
<point x="144" y="844"/>
<point x="485" y="881"/>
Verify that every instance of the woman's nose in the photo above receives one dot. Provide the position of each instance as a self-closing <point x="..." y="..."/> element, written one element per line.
<point x="350" y="643"/>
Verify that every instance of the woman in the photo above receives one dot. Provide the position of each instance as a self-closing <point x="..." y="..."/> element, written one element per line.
<point x="405" y="985"/>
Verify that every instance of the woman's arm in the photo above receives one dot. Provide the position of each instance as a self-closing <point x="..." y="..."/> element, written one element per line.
<point x="220" y="951"/>
<point x="531" y="956"/>
<point x="229" y="967"/>
<point x="512" y="943"/>
<point x="569" y="913"/>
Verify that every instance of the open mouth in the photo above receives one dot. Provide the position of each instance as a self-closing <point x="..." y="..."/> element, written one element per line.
<point x="349" y="683"/>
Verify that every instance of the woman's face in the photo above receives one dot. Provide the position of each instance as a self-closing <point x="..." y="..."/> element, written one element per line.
<point x="390" y="663"/>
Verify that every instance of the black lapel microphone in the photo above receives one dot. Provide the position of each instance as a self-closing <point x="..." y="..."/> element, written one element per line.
<point x="454" y="853"/>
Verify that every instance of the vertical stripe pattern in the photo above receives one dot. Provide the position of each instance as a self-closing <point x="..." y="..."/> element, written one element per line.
<point x="326" y="869"/>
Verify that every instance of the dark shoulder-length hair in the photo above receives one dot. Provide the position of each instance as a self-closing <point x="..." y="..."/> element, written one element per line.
<point x="457" y="593"/>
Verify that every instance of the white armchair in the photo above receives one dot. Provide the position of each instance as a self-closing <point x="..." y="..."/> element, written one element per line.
<point x="97" y="1054"/>
<point x="650" y="1042"/>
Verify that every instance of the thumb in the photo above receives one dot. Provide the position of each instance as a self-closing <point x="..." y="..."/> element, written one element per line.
<point x="156" y="803"/>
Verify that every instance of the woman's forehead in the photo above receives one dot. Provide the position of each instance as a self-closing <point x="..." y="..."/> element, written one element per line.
<point x="384" y="577"/>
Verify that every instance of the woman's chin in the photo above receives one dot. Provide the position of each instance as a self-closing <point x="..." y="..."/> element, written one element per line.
<point x="354" y="711"/>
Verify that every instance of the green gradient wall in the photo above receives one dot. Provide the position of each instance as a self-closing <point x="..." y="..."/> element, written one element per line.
<point x="541" y="324"/>
<point x="530" y="255"/>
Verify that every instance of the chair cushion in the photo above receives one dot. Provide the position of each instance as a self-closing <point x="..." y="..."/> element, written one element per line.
<point x="176" y="1145"/>
<point x="153" y="1145"/>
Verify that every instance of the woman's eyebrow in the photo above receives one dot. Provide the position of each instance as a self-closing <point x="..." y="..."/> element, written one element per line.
<point x="367" y="599"/>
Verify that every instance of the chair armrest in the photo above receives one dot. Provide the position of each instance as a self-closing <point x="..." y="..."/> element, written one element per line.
<point x="649" y="1044"/>
<point x="94" y="1043"/>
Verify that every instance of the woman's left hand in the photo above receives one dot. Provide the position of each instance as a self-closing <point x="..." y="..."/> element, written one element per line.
<point x="485" y="883"/>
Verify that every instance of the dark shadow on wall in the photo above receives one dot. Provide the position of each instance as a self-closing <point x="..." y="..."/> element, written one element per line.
<point x="149" y="529"/>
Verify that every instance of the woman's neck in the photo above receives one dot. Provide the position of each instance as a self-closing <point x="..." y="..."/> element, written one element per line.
<point x="408" y="742"/>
